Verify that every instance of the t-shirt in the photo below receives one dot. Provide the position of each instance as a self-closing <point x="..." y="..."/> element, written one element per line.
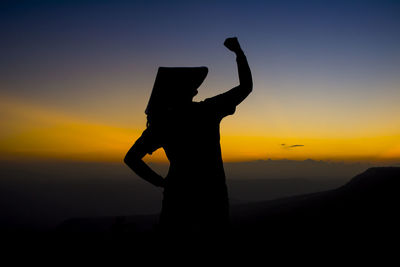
<point x="190" y="137"/>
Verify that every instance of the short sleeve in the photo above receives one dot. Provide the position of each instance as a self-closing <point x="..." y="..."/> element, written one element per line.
<point x="148" y="142"/>
<point x="221" y="105"/>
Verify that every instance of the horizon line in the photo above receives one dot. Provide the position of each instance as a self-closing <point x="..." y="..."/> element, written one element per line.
<point x="38" y="160"/>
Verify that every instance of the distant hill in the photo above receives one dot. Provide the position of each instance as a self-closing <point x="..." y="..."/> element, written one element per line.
<point x="364" y="207"/>
<point x="367" y="206"/>
<point x="46" y="193"/>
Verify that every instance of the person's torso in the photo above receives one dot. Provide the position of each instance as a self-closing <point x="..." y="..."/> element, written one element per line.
<point x="192" y="144"/>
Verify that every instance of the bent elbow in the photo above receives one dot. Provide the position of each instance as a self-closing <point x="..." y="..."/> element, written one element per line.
<point x="247" y="85"/>
<point x="126" y="159"/>
<point x="130" y="160"/>
<point x="248" y="88"/>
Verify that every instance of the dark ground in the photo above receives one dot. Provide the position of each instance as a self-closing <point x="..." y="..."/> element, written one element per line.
<point x="360" y="213"/>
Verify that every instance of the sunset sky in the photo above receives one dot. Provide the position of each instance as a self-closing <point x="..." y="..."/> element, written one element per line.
<point x="75" y="76"/>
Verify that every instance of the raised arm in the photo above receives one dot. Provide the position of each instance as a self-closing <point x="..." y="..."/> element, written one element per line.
<point x="237" y="94"/>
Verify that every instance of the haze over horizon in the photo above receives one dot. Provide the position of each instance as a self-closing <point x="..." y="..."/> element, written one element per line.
<point x="76" y="76"/>
<point x="43" y="194"/>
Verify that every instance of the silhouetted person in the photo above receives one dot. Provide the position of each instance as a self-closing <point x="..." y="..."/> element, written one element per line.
<point x="195" y="192"/>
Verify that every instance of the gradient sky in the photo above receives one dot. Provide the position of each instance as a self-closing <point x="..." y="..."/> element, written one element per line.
<point x="75" y="76"/>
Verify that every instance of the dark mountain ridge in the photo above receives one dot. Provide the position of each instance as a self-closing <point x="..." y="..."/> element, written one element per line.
<point x="365" y="207"/>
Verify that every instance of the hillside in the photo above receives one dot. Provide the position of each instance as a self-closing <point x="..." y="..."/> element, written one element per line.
<point x="365" y="207"/>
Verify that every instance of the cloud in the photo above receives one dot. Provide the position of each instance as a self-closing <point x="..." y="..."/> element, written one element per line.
<point x="290" y="146"/>
<point x="296" y="145"/>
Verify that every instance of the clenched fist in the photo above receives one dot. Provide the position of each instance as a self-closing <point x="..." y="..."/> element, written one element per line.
<point x="233" y="44"/>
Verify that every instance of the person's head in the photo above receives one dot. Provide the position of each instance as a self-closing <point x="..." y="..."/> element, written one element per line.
<point x="173" y="88"/>
<point x="182" y="94"/>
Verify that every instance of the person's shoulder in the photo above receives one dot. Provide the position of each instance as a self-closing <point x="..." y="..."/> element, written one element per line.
<point x="205" y="105"/>
<point x="197" y="105"/>
<point x="208" y="101"/>
<point x="220" y="105"/>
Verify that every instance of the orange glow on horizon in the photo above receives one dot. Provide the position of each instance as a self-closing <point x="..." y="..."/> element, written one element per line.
<point x="34" y="132"/>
